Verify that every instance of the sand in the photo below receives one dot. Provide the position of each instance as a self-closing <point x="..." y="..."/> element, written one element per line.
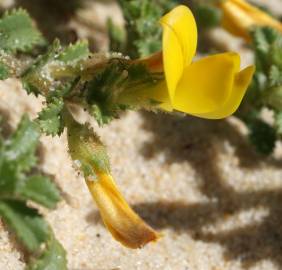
<point x="198" y="182"/>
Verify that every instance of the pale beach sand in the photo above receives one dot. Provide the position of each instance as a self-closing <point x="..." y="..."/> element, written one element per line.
<point x="199" y="182"/>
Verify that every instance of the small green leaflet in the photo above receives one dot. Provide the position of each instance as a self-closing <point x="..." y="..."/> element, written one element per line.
<point x="17" y="32"/>
<point x="74" y="52"/>
<point x="20" y="148"/>
<point x="50" y="119"/>
<point x="53" y="258"/>
<point x="28" y="225"/>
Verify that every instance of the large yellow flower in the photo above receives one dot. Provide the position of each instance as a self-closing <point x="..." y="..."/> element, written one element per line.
<point x="239" y="17"/>
<point x="212" y="87"/>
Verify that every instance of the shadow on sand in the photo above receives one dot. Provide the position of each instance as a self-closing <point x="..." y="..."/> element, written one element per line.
<point x="192" y="140"/>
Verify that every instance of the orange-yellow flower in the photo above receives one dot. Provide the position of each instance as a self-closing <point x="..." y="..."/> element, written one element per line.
<point x="212" y="87"/>
<point x="91" y="158"/>
<point x="123" y="223"/>
<point x="239" y="17"/>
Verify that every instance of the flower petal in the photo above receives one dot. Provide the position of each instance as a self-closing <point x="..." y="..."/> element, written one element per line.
<point x="179" y="44"/>
<point x="241" y="83"/>
<point x="239" y="17"/>
<point x="206" y="84"/>
<point x="159" y="93"/>
<point x="123" y="223"/>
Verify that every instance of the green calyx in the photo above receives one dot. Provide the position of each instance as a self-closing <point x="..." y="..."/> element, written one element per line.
<point x="85" y="147"/>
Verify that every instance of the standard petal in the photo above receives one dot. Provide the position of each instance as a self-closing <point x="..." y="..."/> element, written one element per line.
<point x="206" y="84"/>
<point x="241" y="83"/>
<point x="179" y="44"/>
<point x="123" y="223"/>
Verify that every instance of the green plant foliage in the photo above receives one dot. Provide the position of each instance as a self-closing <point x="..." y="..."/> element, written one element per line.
<point x="53" y="257"/>
<point x="34" y="79"/>
<point x="115" y="89"/>
<point x="19" y="150"/>
<point x="28" y="225"/>
<point x="4" y="71"/>
<point x="102" y="84"/>
<point x="57" y="63"/>
<point x="17" y="32"/>
<point x="18" y="158"/>
<point x="266" y="89"/>
<point x="50" y="119"/>
<point x="18" y="185"/>
<point x="142" y="26"/>
<point x="262" y="136"/>
<point x="207" y="15"/>
<point x="74" y="52"/>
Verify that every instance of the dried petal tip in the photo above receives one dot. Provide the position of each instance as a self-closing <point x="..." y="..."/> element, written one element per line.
<point x="123" y="223"/>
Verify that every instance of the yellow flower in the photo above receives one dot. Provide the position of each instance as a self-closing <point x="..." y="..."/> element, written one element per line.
<point x="239" y="17"/>
<point x="123" y="223"/>
<point x="212" y="87"/>
<point x="90" y="156"/>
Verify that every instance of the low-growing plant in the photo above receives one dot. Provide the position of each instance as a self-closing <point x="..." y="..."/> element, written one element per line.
<point x="105" y="85"/>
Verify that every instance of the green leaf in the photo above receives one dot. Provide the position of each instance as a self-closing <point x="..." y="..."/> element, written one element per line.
<point x="278" y="122"/>
<point x="57" y="68"/>
<point x="39" y="189"/>
<point x="20" y="148"/>
<point x="17" y="32"/>
<point x="275" y="76"/>
<point x="263" y="40"/>
<point x="53" y="258"/>
<point x="74" y="52"/>
<point x="29" y="227"/>
<point x="4" y="71"/>
<point x="50" y="119"/>
<point x="262" y="136"/>
<point x="33" y="79"/>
